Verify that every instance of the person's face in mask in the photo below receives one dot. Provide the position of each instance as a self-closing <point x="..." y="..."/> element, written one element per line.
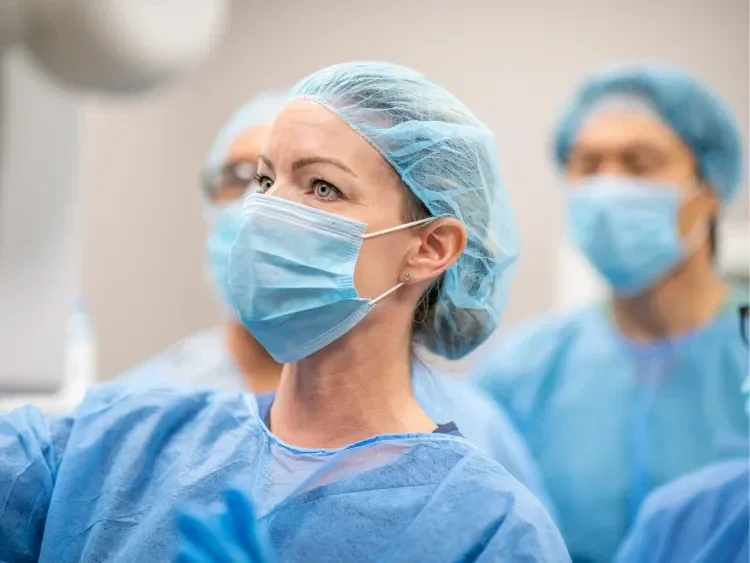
<point x="634" y="144"/>
<point x="237" y="174"/>
<point x="637" y="205"/>
<point x="313" y="159"/>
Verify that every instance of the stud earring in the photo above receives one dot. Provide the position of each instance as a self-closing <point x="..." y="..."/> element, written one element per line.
<point x="408" y="277"/>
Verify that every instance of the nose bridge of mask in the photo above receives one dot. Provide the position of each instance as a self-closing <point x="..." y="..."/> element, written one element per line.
<point x="309" y="217"/>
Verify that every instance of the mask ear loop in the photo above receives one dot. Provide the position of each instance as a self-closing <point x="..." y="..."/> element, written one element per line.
<point x="394" y="288"/>
<point x="393" y="230"/>
<point x="400" y="227"/>
<point x="387" y="293"/>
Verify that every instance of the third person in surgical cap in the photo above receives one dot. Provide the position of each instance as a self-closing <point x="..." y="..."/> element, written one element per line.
<point x="619" y="398"/>
<point x="229" y="357"/>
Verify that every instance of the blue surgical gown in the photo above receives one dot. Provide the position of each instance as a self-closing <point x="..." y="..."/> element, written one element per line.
<point x="202" y="361"/>
<point x="608" y="420"/>
<point x="104" y="484"/>
<point x="699" y="518"/>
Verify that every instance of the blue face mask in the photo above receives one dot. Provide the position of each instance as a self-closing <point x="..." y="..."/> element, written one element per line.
<point x="291" y="275"/>
<point x="628" y="230"/>
<point x="225" y="224"/>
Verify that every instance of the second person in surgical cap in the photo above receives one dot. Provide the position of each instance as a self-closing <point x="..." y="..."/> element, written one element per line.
<point x="618" y="398"/>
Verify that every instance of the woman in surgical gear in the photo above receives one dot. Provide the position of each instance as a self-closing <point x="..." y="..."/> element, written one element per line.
<point x="382" y="223"/>
<point x="621" y="397"/>
<point x="230" y="357"/>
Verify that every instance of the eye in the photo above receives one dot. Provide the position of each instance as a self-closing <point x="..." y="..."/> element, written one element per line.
<point x="324" y="190"/>
<point x="264" y="183"/>
<point x="638" y="166"/>
<point x="643" y="161"/>
<point x="584" y="163"/>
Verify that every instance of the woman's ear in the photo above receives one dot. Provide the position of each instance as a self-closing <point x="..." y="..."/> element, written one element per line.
<point x="441" y="242"/>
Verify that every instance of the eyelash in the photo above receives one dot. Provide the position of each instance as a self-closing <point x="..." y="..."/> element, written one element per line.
<point x="256" y="182"/>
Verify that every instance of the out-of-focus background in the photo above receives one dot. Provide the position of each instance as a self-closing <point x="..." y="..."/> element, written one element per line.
<point x="514" y="63"/>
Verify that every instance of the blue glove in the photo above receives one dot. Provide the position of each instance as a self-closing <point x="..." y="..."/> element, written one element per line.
<point x="231" y="535"/>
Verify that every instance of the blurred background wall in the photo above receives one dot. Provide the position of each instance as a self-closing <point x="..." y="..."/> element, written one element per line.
<point x="513" y="63"/>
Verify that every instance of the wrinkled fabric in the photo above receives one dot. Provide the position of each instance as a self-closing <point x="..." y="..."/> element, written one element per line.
<point x="448" y="159"/>
<point x="227" y="534"/>
<point x="695" y="113"/>
<point x="699" y="518"/>
<point x="608" y="420"/>
<point x="202" y="361"/>
<point x="104" y="484"/>
<point x="481" y="421"/>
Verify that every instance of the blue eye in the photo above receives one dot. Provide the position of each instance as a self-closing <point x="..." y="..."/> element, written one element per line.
<point x="263" y="182"/>
<point x="324" y="190"/>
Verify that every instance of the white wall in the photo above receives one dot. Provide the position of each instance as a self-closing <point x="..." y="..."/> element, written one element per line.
<point x="513" y="63"/>
<point x="39" y="258"/>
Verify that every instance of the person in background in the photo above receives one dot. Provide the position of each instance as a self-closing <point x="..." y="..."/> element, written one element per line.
<point x="382" y="225"/>
<point x="229" y="357"/>
<point x="621" y="397"/>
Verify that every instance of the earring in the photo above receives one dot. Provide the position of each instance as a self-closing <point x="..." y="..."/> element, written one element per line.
<point x="407" y="277"/>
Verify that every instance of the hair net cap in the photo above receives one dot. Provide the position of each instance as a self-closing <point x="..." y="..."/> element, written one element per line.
<point x="695" y="113"/>
<point x="260" y="110"/>
<point x="448" y="158"/>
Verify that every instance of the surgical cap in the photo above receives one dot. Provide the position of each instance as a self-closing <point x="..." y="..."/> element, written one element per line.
<point x="696" y="114"/>
<point x="448" y="159"/>
<point x="260" y="110"/>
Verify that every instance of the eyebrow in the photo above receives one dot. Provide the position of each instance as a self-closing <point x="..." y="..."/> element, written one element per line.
<point x="265" y="161"/>
<point x="302" y="162"/>
<point x="639" y="146"/>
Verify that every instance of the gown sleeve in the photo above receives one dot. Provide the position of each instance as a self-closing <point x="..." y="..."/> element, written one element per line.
<point x="31" y="449"/>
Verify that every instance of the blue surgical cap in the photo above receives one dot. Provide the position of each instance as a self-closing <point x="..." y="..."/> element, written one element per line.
<point x="695" y="113"/>
<point x="448" y="159"/>
<point x="260" y="110"/>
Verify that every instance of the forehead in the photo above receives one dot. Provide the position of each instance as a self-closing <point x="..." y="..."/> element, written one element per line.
<point x="249" y="143"/>
<point x="615" y="130"/>
<point x="305" y="128"/>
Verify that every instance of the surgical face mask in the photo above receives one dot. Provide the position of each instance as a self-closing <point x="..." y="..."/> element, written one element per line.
<point x="224" y="225"/>
<point x="291" y="275"/>
<point x="628" y="229"/>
